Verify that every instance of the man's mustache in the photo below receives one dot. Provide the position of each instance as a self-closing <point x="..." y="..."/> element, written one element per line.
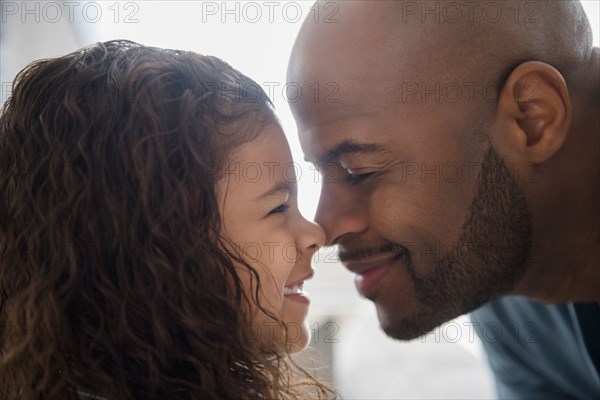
<point x="360" y="254"/>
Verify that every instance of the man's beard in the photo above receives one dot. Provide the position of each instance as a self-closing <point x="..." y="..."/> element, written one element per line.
<point x="488" y="259"/>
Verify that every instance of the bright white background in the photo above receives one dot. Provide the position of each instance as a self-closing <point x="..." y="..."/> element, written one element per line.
<point x="256" y="38"/>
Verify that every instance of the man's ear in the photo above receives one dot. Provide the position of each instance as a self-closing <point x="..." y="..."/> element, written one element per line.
<point x="533" y="114"/>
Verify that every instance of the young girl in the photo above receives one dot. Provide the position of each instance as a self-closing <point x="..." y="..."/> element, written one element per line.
<point x="151" y="243"/>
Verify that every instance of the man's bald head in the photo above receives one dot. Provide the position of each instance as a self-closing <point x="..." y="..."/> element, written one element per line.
<point x="423" y="41"/>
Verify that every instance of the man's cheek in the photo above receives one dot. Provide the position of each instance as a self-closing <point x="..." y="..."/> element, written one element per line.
<point x="394" y="201"/>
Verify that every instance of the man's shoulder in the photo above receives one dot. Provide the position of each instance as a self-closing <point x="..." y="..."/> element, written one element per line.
<point x="515" y="310"/>
<point x="521" y="325"/>
<point x="532" y="345"/>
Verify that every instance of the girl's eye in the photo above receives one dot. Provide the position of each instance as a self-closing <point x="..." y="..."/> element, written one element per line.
<point x="355" y="179"/>
<point x="279" y="209"/>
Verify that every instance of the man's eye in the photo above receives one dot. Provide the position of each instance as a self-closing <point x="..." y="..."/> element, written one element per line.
<point x="355" y="179"/>
<point x="279" y="209"/>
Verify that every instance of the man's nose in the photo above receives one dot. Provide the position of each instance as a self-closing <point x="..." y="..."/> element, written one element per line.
<point x="340" y="212"/>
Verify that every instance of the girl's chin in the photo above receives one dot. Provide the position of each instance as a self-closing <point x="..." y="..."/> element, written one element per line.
<point x="298" y="337"/>
<point x="298" y="346"/>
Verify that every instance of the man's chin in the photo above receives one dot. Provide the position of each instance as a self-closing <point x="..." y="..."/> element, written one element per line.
<point x="407" y="328"/>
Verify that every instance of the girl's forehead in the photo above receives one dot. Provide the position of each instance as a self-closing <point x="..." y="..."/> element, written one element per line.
<point x="256" y="165"/>
<point x="270" y="146"/>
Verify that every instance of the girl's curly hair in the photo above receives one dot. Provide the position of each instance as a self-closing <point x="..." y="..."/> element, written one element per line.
<point x="113" y="275"/>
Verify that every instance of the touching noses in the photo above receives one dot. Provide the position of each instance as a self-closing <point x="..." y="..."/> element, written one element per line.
<point x="339" y="213"/>
<point x="311" y="237"/>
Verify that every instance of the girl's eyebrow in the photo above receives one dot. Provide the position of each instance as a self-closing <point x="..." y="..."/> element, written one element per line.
<point x="282" y="187"/>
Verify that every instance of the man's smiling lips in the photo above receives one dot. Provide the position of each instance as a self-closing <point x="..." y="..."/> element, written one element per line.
<point x="370" y="273"/>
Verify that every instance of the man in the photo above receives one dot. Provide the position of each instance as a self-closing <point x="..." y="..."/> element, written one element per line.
<point x="459" y="149"/>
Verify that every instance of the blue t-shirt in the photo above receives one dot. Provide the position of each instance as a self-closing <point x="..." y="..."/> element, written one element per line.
<point x="540" y="351"/>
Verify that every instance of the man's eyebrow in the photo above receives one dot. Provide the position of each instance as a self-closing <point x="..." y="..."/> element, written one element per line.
<point x="350" y="146"/>
<point x="280" y="187"/>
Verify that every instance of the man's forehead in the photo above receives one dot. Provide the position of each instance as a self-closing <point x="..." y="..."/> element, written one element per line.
<point x="322" y="115"/>
<point x="330" y="146"/>
<point x="351" y="47"/>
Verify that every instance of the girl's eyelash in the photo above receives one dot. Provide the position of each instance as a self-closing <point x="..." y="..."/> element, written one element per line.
<point x="279" y="209"/>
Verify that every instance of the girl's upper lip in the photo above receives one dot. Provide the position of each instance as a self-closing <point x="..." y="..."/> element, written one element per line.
<point x="362" y="267"/>
<point x="305" y="278"/>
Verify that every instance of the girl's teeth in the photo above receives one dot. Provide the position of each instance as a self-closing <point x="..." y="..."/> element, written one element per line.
<point x="296" y="289"/>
